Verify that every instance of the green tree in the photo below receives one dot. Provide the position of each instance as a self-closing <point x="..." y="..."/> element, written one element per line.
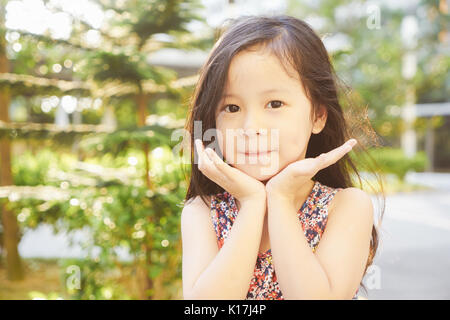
<point x="10" y="227"/>
<point x="141" y="217"/>
<point x="369" y="58"/>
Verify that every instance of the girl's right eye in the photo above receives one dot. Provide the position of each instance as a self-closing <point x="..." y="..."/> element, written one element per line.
<point x="236" y="108"/>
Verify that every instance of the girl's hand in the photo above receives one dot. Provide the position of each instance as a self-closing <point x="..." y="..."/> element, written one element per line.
<point x="240" y="185"/>
<point x="292" y="178"/>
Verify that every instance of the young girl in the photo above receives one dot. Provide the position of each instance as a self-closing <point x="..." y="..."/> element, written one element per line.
<point x="276" y="180"/>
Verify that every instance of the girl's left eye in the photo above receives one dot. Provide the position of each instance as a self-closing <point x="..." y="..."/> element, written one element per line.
<point x="277" y="105"/>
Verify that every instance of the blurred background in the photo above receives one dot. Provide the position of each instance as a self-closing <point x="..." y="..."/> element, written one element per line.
<point x="92" y="93"/>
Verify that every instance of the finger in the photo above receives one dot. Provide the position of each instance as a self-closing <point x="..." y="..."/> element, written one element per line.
<point x="226" y="171"/>
<point x="212" y="155"/>
<point x="331" y="157"/>
<point x="220" y="164"/>
<point x="208" y="165"/>
<point x="344" y="149"/>
<point x="352" y="143"/>
<point x="204" y="163"/>
<point x="198" y="148"/>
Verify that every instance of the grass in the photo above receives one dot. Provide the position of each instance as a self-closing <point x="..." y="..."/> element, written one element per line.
<point x="41" y="276"/>
<point x="43" y="280"/>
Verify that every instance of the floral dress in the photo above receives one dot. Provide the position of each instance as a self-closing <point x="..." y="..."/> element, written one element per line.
<point x="313" y="216"/>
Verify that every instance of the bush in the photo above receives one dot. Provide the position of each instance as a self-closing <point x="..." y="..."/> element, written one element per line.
<point x="393" y="160"/>
<point x="120" y="213"/>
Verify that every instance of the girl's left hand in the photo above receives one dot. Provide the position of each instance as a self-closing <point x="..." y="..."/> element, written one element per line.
<point x="292" y="178"/>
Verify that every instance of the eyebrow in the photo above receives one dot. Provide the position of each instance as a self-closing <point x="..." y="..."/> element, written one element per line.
<point x="262" y="92"/>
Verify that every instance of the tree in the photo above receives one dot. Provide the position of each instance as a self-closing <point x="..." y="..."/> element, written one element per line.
<point x="11" y="230"/>
<point x="118" y="73"/>
<point x="369" y="54"/>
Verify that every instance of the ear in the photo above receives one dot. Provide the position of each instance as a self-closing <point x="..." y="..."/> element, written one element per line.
<point x="320" y="120"/>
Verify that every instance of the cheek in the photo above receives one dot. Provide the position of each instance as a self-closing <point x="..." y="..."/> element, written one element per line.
<point x="293" y="144"/>
<point x="225" y="144"/>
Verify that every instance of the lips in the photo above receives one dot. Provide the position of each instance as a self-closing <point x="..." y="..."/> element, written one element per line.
<point x="257" y="153"/>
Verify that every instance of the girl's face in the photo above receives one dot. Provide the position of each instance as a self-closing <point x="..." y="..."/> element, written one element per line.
<point x="260" y="96"/>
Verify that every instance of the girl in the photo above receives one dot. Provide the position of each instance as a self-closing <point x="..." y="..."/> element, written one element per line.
<point x="276" y="179"/>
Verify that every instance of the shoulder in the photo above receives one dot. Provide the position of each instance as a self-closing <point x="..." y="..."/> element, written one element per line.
<point x="195" y="207"/>
<point x="352" y="204"/>
<point x="195" y="213"/>
<point x="198" y="201"/>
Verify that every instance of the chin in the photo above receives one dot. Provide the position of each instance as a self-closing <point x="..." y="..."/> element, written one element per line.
<point x="259" y="172"/>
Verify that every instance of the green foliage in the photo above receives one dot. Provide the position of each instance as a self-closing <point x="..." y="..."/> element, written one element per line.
<point x="100" y="188"/>
<point x="32" y="169"/>
<point x="92" y="279"/>
<point x="118" y="212"/>
<point x="121" y="66"/>
<point x="393" y="160"/>
<point x="123" y="139"/>
<point x="160" y="16"/>
<point x="372" y="58"/>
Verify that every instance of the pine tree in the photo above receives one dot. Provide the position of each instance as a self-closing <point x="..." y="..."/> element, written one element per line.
<point x="116" y="70"/>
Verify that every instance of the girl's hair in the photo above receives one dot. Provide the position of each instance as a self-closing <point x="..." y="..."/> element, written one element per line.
<point x="292" y="41"/>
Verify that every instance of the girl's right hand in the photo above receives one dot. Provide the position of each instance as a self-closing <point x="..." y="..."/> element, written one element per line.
<point x="237" y="183"/>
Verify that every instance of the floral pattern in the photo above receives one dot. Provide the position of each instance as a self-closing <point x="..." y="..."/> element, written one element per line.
<point x="313" y="216"/>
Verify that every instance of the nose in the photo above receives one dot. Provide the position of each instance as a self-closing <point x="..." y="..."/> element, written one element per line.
<point x="254" y="124"/>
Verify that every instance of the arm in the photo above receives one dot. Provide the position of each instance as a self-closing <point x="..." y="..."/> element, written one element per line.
<point x="336" y="268"/>
<point x="225" y="274"/>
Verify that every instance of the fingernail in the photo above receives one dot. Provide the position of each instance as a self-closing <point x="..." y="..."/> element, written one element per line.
<point x="353" y="142"/>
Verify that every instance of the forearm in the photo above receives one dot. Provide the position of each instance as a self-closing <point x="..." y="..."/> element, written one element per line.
<point x="228" y="276"/>
<point x="298" y="270"/>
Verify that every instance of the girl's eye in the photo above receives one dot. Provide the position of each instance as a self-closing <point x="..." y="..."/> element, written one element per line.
<point x="234" y="108"/>
<point x="277" y="104"/>
<point x="232" y="105"/>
